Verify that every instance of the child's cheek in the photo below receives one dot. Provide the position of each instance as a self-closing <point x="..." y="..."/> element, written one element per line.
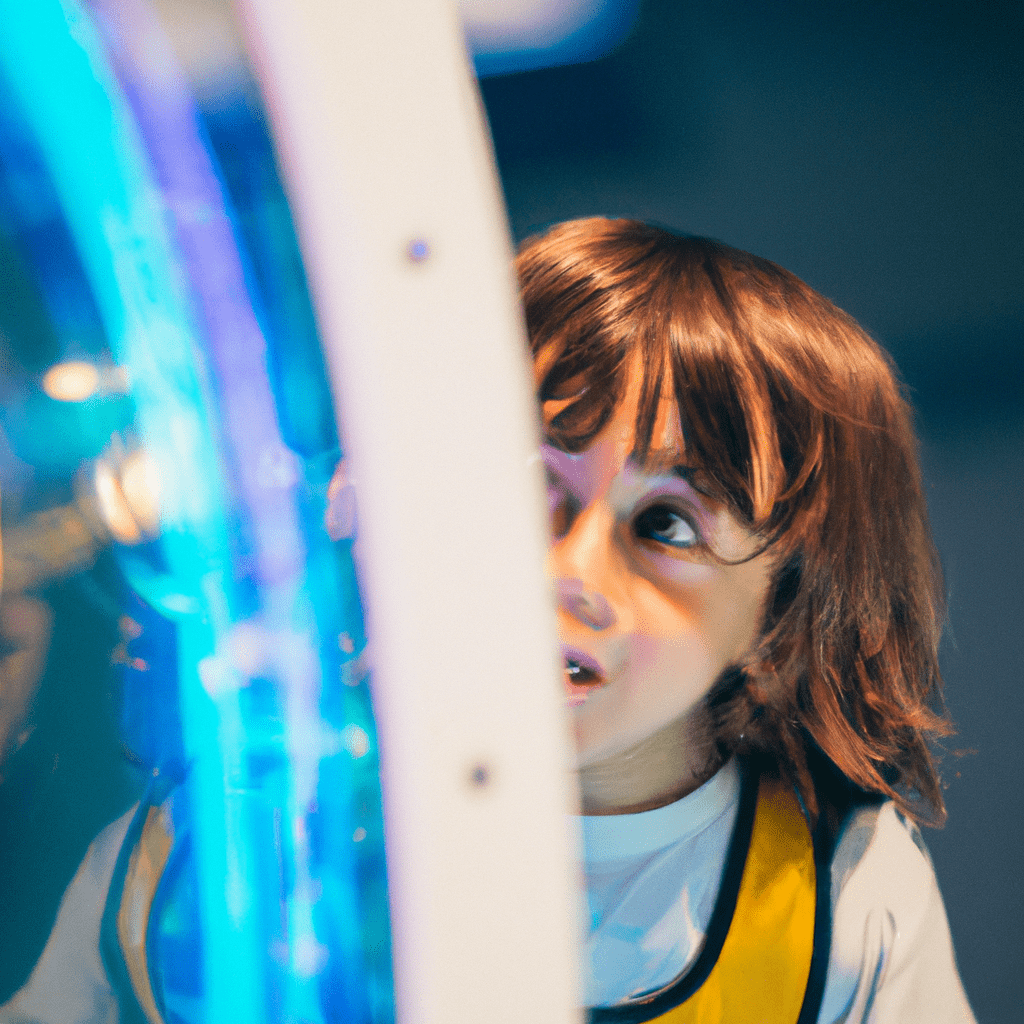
<point x="669" y="674"/>
<point x="678" y="574"/>
<point x="670" y="597"/>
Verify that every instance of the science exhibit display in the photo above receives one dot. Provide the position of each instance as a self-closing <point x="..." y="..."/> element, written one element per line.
<point x="339" y="673"/>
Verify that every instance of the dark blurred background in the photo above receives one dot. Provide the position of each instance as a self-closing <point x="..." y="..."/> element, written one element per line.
<point x="875" y="150"/>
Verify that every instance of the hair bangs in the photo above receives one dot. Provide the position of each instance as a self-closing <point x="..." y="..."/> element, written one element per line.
<point x="590" y="380"/>
<point x="722" y="389"/>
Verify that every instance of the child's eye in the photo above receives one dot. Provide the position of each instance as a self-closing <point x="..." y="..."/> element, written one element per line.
<point x="665" y="525"/>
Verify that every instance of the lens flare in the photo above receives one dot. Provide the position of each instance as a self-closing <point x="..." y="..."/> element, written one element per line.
<point x="73" y="381"/>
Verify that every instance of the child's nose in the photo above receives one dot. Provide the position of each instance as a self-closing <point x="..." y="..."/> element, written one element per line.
<point x="590" y="607"/>
<point x="580" y="562"/>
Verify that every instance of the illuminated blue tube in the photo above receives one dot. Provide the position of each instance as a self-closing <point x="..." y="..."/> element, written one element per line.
<point x="99" y="156"/>
<point x="264" y="473"/>
<point x="56" y="67"/>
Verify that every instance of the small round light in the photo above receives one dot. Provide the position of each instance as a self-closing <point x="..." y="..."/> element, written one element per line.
<point x="356" y="742"/>
<point x="71" y="382"/>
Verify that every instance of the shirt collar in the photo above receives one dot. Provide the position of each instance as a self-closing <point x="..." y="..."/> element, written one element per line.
<point x="616" y="837"/>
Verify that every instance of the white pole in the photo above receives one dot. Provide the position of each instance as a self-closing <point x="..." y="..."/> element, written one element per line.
<point x="387" y="164"/>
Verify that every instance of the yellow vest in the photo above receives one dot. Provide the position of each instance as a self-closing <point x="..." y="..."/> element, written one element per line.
<point x="755" y="966"/>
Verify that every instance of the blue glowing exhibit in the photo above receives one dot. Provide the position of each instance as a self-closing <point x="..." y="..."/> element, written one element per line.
<point x="246" y="677"/>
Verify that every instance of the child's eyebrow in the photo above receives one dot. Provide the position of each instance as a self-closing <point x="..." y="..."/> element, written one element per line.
<point x="666" y="460"/>
<point x="659" y="460"/>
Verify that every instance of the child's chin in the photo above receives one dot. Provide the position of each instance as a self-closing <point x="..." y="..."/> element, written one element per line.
<point x="590" y="750"/>
<point x="577" y="698"/>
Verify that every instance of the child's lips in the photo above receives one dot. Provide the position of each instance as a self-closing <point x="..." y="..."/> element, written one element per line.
<point x="583" y="675"/>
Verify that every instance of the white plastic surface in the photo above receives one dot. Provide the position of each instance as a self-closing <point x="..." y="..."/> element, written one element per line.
<point x="383" y="147"/>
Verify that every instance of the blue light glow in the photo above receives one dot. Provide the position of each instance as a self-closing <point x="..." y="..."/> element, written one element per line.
<point x="283" y="763"/>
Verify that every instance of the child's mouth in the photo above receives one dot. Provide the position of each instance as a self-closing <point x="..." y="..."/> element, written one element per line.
<point x="583" y="675"/>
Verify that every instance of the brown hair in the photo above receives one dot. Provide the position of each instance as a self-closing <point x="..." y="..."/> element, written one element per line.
<point x="793" y="415"/>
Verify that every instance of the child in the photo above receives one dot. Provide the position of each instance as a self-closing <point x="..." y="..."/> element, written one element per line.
<point x="749" y="606"/>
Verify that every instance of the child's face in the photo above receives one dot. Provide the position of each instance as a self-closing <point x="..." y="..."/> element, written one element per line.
<point x="647" y="619"/>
